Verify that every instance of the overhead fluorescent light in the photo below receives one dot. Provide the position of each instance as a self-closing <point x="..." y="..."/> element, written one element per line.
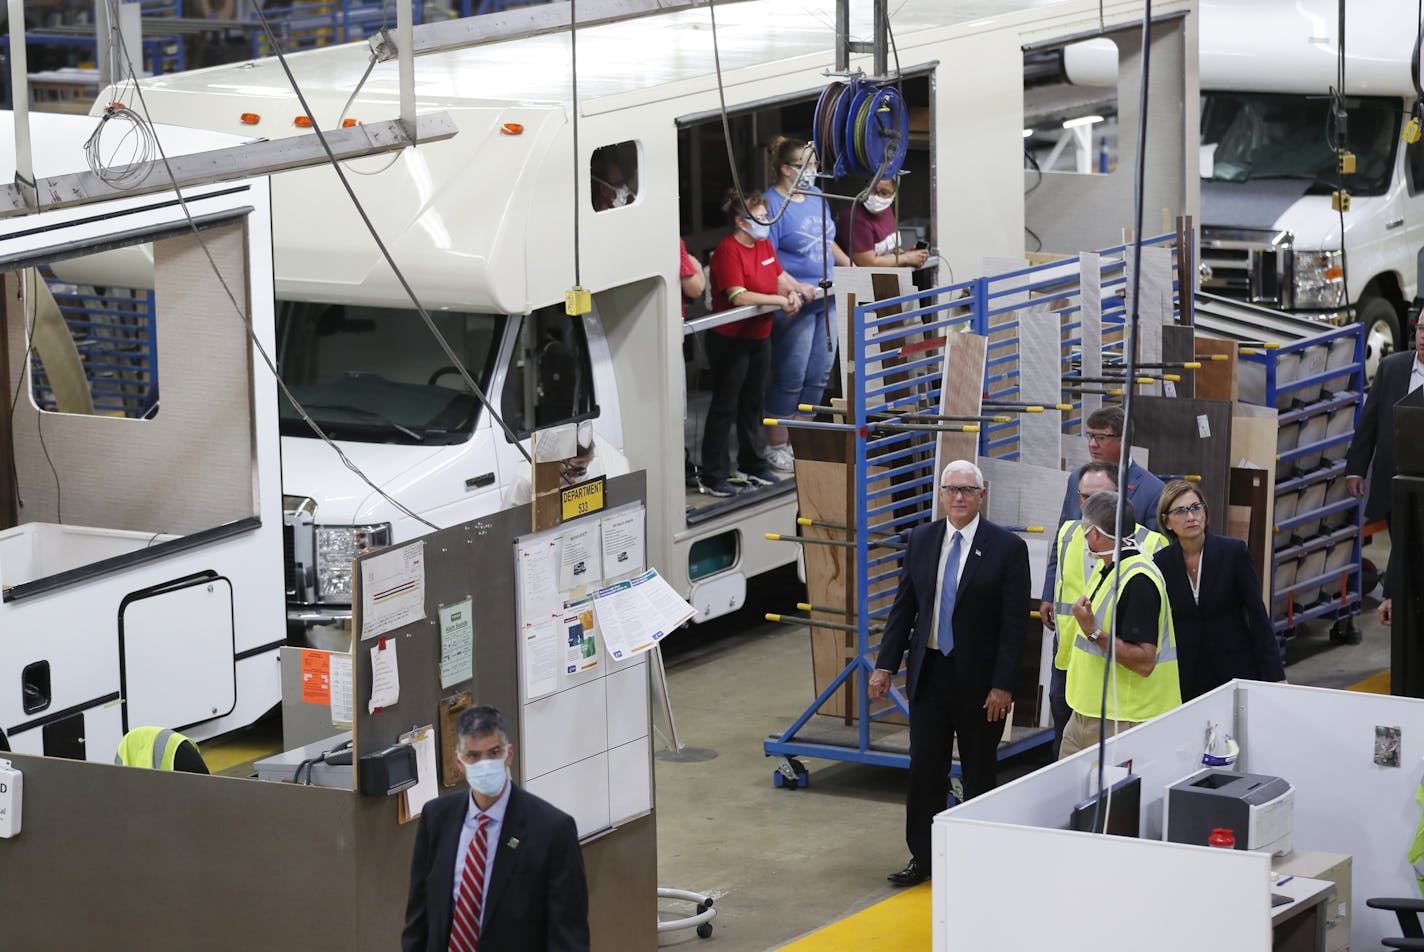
<point x="1082" y="121"/>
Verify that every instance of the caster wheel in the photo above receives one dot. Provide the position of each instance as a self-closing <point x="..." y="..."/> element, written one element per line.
<point x="1344" y="632"/>
<point x="791" y="774"/>
<point x="704" y="906"/>
<point x="704" y="931"/>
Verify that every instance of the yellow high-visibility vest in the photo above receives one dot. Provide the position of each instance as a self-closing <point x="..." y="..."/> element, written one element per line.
<point x="1137" y="698"/>
<point x="152" y="747"/>
<point x="1075" y="564"/>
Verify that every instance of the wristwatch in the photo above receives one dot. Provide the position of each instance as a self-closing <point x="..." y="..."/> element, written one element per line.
<point x="1095" y="635"/>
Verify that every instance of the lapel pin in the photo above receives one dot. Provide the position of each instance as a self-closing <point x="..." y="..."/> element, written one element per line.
<point x="512" y="842"/>
<point x="978" y="553"/>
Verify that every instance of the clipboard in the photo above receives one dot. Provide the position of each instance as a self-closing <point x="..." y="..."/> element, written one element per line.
<point x="427" y="786"/>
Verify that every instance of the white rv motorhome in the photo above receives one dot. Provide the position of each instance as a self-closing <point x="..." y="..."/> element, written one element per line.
<point x="139" y="552"/>
<point x="1270" y="232"/>
<point x="483" y="225"/>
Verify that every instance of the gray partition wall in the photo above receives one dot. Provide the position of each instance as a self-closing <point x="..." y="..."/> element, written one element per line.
<point x="475" y="560"/>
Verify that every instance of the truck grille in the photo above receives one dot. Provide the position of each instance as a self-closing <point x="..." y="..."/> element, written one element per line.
<point x="1246" y="264"/>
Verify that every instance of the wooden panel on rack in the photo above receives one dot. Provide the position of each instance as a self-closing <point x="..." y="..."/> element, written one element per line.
<point x="1217" y="378"/>
<point x="823" y="472"/>
<point x="1188" y="436"/>
<point x="1250" y="492"/>
<point x="1253" y="441"/>
<point x="1178" y="344"/>
<point x="961" y="394"/>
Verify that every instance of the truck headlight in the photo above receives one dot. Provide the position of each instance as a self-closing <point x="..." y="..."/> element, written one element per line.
<point x="336" y="547"/>
<point x="1319" y="279"/>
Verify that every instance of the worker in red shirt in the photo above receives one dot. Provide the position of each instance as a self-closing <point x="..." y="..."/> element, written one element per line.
<point x="744" y="272"/>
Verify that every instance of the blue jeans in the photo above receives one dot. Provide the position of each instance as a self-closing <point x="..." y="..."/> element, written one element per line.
<point x="800" y="360"/>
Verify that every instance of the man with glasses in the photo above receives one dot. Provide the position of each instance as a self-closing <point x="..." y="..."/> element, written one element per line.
<point x="961" y="611"/>
<point x="1104" y="431"/>
<point x="497" y="868"/>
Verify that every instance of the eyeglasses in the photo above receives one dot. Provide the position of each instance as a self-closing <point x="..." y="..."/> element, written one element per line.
<point x="475" y="756"/>
<point x="959" y="490"/>
<point x="1183" y="511"/>
<point x="1103" y="437"/>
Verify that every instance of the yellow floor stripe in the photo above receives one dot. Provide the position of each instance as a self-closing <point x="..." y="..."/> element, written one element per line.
<point x="1374" y="684"/>
<point x="901" y="922"/>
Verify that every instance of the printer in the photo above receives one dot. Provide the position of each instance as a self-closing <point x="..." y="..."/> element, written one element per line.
<point x="1259" y="810"/>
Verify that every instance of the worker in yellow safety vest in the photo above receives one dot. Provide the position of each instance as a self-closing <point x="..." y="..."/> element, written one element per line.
<point x="159" y="748"/>
<point x="1074" y="564"/>
<point x="1124" y="613"/>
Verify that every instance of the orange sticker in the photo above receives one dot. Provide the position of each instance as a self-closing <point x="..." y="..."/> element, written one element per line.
<point x="316" y="677"/>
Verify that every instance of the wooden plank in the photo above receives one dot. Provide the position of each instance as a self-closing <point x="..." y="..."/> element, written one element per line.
<point x="1253" y="441"/>
<point x="961" y="394"/>
<point x="1090" y="330"/>
<point x="1179" y="344"/>
<point x="1217" y="379"/>
<point x="821" y="495"/>
<point x="1188" y="436"/>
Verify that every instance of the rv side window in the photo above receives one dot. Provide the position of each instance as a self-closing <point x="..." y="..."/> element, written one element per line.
<point x="112" y="368"/>
<point x="550" y="376"/>
<point x="613" y="176"/>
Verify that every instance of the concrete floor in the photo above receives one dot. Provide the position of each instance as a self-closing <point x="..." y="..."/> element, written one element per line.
<point x="781" y="862"/>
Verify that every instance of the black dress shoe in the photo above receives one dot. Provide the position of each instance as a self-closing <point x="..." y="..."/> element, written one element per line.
<point x="911" y="875"/>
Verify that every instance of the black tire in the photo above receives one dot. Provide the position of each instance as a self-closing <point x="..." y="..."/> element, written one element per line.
<point x="704" y="931"/>
<point x="1382" y="336"/>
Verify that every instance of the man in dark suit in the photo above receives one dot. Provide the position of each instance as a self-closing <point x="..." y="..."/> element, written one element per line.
<point x="961" y="610"/>
<point x="1396" y="376"/>
<point x="1373" y="443"/>
<point x="497" y="869"/>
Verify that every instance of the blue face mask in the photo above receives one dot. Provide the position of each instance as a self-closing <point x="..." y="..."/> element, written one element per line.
<point x="486" y="777"/>
<point x="758" y="232"/>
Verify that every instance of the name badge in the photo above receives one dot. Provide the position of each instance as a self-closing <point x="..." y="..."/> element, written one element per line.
<point x="771" y="260"/>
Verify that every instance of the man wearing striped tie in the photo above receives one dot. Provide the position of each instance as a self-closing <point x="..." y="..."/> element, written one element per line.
<point x="961" y="612"/>
<point x="497" y="869"/>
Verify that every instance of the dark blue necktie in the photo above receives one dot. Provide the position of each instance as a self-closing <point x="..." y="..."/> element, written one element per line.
<point x="948" y="588"/>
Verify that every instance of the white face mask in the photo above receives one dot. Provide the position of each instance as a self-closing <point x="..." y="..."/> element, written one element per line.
<point x="487" y="777"/>
<point x="622" y="194"/>
<point x="875" y="204"/>
<point x="806" y="179"/>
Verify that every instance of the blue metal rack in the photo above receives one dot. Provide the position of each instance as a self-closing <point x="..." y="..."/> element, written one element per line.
<point x="1304" y="586"/>
<point x="306" y="25"/>
<point x="894" y="476"/>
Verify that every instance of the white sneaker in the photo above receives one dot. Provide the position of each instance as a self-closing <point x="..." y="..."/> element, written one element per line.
<point x="780" y="458"/>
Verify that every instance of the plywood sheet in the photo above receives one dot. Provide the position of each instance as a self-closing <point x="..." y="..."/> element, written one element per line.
<point x="1090" y="316"/>
<point x="862" y="283"/>
<point x="822" y="494"/>
<point x="961" y="394"/>
<point x="1178" y="346"/>
<point x="1216" y="380"/>
<point x="1188" y="436"/>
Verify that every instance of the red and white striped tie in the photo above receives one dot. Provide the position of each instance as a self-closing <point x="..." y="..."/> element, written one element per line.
<point x="465" y="928"/>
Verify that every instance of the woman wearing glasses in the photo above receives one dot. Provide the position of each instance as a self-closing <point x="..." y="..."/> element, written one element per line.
<point x="1223" y="630"/>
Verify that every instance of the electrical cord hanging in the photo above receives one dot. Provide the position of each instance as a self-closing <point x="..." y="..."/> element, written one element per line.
<point x="573" y="84"/>
<point x="380" y="244"/>
<point x="1130" y="360"/>
<point x="251" y="332"/>
<point x="31" y="308"/>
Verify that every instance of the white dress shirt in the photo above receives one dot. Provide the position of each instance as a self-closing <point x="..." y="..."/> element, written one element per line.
<point x="467" y="835"/>
<point x="966" y="540"/>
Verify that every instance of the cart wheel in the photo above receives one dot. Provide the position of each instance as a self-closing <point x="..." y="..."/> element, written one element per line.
<point x="790" y="774"/>
<point x="704" y="931"/>
<point x="1369" y="576"/>
<point x="1344" y="632"/>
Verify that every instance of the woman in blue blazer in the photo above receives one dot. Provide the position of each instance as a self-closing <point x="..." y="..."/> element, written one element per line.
<point x="1223" y="629"/>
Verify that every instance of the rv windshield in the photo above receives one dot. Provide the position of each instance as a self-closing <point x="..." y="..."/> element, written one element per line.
<point x="376" y="375"/>
<point x="1269" y="135"/>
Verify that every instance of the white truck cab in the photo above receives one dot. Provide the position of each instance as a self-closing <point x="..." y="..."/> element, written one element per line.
<point x="1271" y="231"/>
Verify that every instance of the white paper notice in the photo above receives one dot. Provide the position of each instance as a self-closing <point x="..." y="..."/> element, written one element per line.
<point x="541" y="656"/>
<point x="385" y="676"/>
<point x="341" y="705"/>
<point x="580" y="639"/>
<point x="580" y="561"/>
<point x="427" y="784"/>
<point x="556" y="442"/>
<point x="623" y="544"/>
<point x="457" y="643"/>
<point x="1169" y="388"/>
<point x="392" y="589"/>
<point x="635" y="615"/>
<point x="537" y="565"/>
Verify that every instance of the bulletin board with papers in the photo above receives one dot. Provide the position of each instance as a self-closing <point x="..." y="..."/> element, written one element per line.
<point x="590" y="609"/>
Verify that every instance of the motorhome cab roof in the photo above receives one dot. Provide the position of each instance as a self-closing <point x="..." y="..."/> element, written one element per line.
<point x="483" y="221"/>
<point x="57" y="142"/>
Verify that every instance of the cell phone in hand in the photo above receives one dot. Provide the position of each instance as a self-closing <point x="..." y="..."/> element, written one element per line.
<point x="922" y="245"/>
